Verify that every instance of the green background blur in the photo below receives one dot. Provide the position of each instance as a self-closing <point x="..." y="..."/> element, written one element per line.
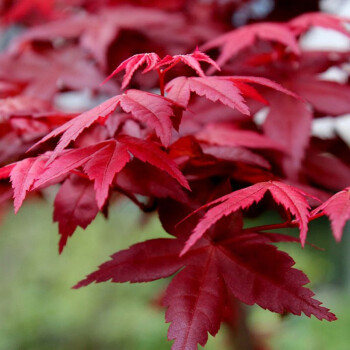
<point x="40" y="311"/>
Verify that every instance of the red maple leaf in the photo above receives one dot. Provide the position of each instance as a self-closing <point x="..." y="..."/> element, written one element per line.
<point x="192" y="60"/>
<point x="146" y="107"/>
<point x="337" y="208"/>
<point x="23" y="175"/>
<point x="131" y="64"/>
<point x="213" y="88"/>
<point x="154" y="183"/>
<point x="228" y="90"/>
<point x="291" y="198"/>
<point x="233" y="42"/>
<point x="303" y="23"/>
<point x="223" y="262"/>
<point x="102" y="161"/>
<point x="288" y="123"/>
<point x="75" y="205"/>
<point x="153" y="62"/>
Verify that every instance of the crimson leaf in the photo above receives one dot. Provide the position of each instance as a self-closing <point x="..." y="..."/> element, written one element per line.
<point x="289" y="197"/>
<point x="74" y="205"/>
<point x="244" y="266"/>
<point x="337" y="208"/>
<point x="131" y="64"/>
<point x="192" y="60"/>
<point x="213" y="88"/>
<point x="152" y="109"/>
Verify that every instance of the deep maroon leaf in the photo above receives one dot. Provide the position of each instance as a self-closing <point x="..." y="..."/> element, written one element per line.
<point x="252" y="270"/>
<point x="150" y="153"/>
<point x="74" y="206"/>
<point x="195" y="299"/>
<point x="142" y="262"/>
<point x="259" y="273"/>
<point x="153" y="183"/>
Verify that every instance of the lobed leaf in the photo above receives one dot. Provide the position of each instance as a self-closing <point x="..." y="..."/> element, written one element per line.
<point x="289" y="197"/>
<point x="213" y="88"/>
<point x="233" y="42"/>
<point x="74" y="206"/>
<point x="131" y="64"/>
<point x="337" y="208"/>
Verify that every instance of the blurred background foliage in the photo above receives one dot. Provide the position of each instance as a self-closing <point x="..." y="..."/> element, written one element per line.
<point x="40" y="311"/>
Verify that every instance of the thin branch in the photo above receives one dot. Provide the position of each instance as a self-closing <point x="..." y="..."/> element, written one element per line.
<point x="287" y="224"/>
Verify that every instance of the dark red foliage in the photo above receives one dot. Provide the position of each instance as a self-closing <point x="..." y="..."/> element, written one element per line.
<point x="214" y="121"/>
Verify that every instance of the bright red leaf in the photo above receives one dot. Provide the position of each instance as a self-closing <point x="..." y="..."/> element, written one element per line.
<point x="213" y="88"/>
<point x="102" y="161"/>
<point x="192" y="60"/>
<point x="131" y="64"/>
<point x="111" y="159"/>
<point x="289" y="197"/>
<point x="337" y="208"/>
<point x="23" y="176"/>
<point x="151" y="109"/>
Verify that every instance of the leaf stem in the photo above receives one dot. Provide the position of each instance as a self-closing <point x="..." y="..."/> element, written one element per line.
<point x="79" y="173"/>
<point x="286" y="224"/>
<point x="316" y="216"/>
<point x="171" y="66"/>
<point x="161" y="74"/>
<point x="146" y="208"/>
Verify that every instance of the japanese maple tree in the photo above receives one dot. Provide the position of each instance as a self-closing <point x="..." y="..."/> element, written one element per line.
<point x="178" y="133"/>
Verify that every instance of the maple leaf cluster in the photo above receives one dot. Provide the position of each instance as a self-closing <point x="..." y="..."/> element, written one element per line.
<point x="185" y="141"/>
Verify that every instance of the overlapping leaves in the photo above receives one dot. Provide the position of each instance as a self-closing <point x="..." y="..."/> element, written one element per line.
<point x="223" y="262"/>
